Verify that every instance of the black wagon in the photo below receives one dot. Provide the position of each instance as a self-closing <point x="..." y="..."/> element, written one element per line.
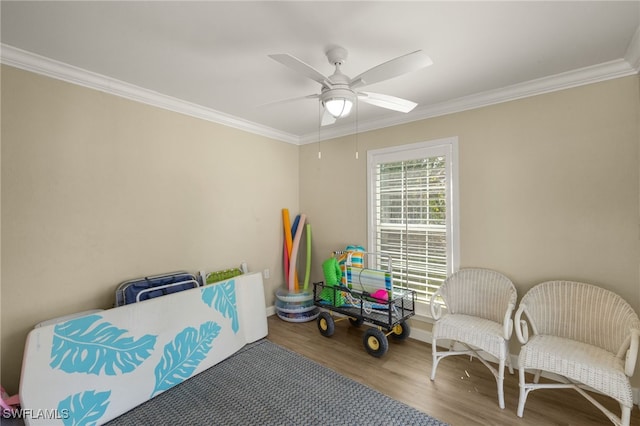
<point x="357" y="302"/>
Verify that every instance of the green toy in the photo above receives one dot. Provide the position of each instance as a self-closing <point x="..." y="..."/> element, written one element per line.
<point x="332" y="278"/>
<point x="332" y="271"/>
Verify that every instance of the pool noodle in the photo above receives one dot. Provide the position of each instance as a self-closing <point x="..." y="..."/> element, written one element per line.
<point x="285" y="256"/>
<point x="308" y="266"/>
<point x="287" y="230"/>
<point x="294" y="253"/>
<point x="294" y="229"/>
<point x="287" y="243"/>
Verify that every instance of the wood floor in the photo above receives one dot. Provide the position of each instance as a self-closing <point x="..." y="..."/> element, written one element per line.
<point x="464" y="392"/>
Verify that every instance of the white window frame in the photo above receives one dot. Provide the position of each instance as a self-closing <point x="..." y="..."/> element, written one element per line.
<point x="447" y="147"/>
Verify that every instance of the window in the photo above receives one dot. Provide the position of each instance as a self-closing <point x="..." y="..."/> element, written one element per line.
<point x="412" y="213"/>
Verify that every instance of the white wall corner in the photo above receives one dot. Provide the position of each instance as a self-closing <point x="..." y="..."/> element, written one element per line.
<point x="633" y="51"/>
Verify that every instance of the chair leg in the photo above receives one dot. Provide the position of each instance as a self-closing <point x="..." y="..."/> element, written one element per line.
<point x="435" y="361"/>
<point x="498" y="374"/>
<point x="625" y="418"/>
<point x="523" y="393"/>
<point x="536" y="378"/>
<point x="500" y="382"/>
<point x="506" y="351"/>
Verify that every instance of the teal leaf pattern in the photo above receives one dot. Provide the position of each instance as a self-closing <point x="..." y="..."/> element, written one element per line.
<point x="84" y="345"/>
<point x="183" y="355"/>
<point x="222" y="297"/>
<point x="84" y="409"/>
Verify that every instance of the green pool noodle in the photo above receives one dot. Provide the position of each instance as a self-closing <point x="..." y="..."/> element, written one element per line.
<point x="308" y="266"/>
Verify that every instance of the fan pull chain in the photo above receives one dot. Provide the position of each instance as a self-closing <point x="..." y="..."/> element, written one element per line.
<point x="319" y="129"/>
<point x="357" y="104"/>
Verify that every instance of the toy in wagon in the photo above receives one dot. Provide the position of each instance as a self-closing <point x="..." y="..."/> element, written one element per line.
<point x="363" y="294"/>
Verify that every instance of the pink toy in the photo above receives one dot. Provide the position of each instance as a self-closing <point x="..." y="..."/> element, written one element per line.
<point x="381" y="294"/>
<point x="8" y="403"/>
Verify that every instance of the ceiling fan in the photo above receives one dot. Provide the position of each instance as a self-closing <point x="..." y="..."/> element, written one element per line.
<point x="338" y="92"/>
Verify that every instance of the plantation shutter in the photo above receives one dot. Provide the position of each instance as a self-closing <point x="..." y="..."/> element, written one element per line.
<point x="411" y="220"/>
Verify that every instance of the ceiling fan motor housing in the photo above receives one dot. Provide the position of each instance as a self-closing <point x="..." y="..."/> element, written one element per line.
<point x="337" y="55"/>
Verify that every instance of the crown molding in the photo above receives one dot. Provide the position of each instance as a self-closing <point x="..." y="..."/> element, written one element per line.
<point x="28" y="61"/>
<point x="588" y="75"/>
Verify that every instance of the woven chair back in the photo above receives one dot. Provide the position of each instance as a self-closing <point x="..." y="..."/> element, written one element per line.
<point x="479" y="292"/>
<point x="581" y="312"/>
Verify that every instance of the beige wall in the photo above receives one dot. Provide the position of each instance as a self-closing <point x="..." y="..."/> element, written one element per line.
<point x="97" y="189"/>
<point x="548" y="187"/>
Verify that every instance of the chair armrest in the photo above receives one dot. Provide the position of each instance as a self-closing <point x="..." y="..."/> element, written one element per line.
<point x="507" y="323"/>
<point x="522" y="328"/>
<point x="436" y="309"/>
<point x="632" y="353"/>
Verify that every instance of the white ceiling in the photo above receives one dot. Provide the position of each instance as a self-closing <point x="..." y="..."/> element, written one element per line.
<point x="210" y="58"/>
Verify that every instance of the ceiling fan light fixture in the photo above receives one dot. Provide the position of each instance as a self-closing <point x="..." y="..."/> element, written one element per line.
<point x="338" y="102"/>
<point x="338" y="107"/>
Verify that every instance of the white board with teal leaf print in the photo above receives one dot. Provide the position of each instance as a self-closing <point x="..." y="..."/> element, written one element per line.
<point x="91" y="369"/>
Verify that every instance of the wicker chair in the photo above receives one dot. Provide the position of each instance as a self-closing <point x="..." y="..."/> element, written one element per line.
<point x="586" y="335"/>
<point x="479" y="305"/>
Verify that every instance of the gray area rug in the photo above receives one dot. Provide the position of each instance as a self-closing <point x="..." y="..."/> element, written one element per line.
<point x="266" y="384"/>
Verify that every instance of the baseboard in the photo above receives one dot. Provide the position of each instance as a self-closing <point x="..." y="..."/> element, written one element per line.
<point x="271" y="310"/>
<point x="425" y="336"/>
<point x="420" y="335"/>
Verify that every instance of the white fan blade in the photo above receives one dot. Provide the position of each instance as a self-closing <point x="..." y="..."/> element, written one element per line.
<point x="286" y="101"/>
<point x="393" y="68"/>
<point x="301" y="67"/>
<point x="386" y="101"/>
<point x="327" y="118"/>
